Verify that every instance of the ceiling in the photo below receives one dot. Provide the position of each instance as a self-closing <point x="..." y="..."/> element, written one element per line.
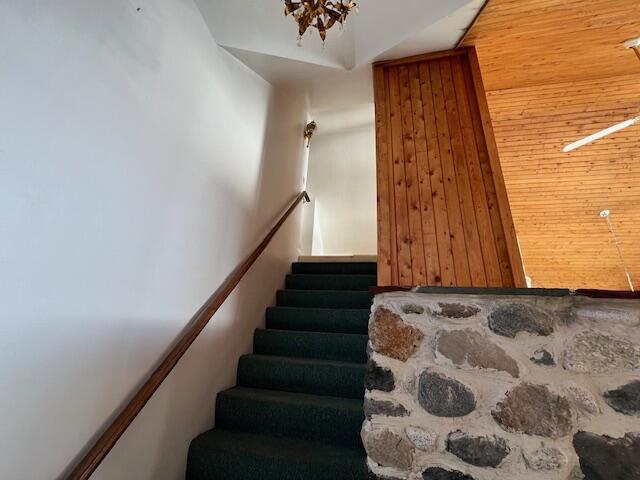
<point x="556" y="71"/>
<point x="258" y="33"/>
<point x="535" y="42"/>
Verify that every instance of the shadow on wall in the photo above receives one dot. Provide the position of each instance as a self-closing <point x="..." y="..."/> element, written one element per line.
<point x="184" y="406"/>
<point x="342" y="182"/>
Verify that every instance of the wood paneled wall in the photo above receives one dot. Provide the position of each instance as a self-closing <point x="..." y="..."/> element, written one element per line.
<point x="443" y="212"/>
<point x="556" y="71"/>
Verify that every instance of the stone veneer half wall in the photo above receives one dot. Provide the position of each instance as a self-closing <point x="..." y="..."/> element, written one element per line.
<point x="484" y="387"/>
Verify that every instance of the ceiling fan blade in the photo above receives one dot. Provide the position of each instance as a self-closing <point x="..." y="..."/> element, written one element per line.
<point x="601" y="134"/>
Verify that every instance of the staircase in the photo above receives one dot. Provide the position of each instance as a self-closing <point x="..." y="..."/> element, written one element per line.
<point x="296" y="412"/>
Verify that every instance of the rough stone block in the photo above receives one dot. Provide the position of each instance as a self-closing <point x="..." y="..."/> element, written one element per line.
<point x="481" y="451"/>
<point x="625" y="399"/>
<point x="444" y="397"/>
<point x="437" y="473"/>
<point x="510" y="319"/>
<point x="606" y="458"/>
<point x="379" y="378"/>
<point x="595" y="353"/>
<point x="421" y="439"/>
<point x="544" y="459"/>
<point x="534" y="410"/>
<point x="543" y="357"/>
<point x="388" y="449"/>
<point x="582" y="399"/>
<point x="373" y="476"/>
<point x="456" y="310"/>
<point x="468" y="347"/>
<point x="383" y="407"/>
<point x="391" y="337"/>
<point x="412" y="309"/>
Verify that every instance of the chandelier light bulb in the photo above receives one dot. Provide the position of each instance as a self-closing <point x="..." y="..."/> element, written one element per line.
<point x="319" y="14"/>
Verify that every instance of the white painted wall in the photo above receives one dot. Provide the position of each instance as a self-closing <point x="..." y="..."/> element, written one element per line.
<point x="260" y="26"/>
<point x="342" y="182"/>
<point x="139" y="163"/>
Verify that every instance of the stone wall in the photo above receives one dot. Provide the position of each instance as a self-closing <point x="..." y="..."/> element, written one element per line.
<point x="503" y="387"/>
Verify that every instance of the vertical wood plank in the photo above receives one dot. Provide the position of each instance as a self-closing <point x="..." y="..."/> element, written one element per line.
<point x="503" y="200"/>
<point x="430" y="240"/>
<point x="487" y="176"/>
<point x="472" y="238"/>
<point x="479" y="197"/>
<point x="395" y="276"/>
<point x="418" y="266"/>
<point x="405" y="273"/>
<point x="436" y="177"/>
<point x="383" y="173"/>
<point x="456" y="227"/>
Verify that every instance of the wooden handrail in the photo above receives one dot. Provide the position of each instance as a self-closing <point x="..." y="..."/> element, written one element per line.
<point x="114" y="431"/>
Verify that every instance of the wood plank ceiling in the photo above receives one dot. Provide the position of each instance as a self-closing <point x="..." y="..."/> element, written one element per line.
<point x="556" y="71"/>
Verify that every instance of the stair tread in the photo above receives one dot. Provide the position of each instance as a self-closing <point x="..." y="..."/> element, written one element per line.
<point x="304" y="333"/>
<point x="309" y="281"/>
<point x="229" y="454"/>
<point x="335" y="268"/>
<point x="333" y="299"/>
<point x="280" y="397"/>
<point x="333" y="275"/>
<point x="307" y="310"/>
<point x="348" y="347"/>
<point x="302" y="375"/>
<point x="305" y="360"/>
<point x="318" y="319"/>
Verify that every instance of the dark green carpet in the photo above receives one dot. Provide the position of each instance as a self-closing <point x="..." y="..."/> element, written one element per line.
<point x="296" y="413"/>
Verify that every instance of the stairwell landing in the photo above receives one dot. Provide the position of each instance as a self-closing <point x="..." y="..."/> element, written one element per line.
<point x="297" y="410"/>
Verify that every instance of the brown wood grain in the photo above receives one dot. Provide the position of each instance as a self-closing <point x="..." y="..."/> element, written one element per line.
<point x="460" y="161"/>
<point x="403" y="240"/>
<point x="99" y="450"/>
<point x="418" y="265"/>
<point x="478" y="193"/>
<point x="424" y="57"/>
<point x="430" y="240"/>
<point x="488" y="181"/>
<point x="382" y="177"/>
<point x="454" y="214"/>
<point x="544" y="42"/>
<point x="449" y="227"/>
<point x="556" y="71"/>
<point x="395" y="275"/>
<point x="443" y="234"/>
<point x="511" y="239"/>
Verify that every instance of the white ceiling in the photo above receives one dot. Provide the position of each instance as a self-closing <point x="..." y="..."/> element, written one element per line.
<point x="258" y="33"/>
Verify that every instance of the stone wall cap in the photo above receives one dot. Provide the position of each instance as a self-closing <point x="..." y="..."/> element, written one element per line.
<point x="496" y="291"/>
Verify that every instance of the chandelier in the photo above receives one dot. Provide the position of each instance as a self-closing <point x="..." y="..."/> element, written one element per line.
<point x="320" y="14"/>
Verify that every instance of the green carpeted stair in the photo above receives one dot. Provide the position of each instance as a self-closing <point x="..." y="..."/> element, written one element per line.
<point x="296" y="412"/>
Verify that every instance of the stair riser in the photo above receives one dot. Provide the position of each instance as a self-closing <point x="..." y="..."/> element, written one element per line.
<point x="347" y="268"/>
<point x="230" y="456"/>
<point x="218" y="466"/>
<point x="330" y="282"/>
<point x="323" y="346"/>
<point x="320" y="299"/>
<point x="334" y="379"/>
<point x="321" y="320"/>
<point x="337" y="426"/>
